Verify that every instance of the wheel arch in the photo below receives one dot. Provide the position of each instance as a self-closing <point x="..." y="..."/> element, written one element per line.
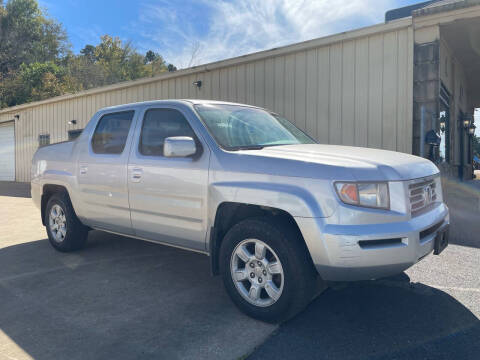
<point x="230" y="213"/>
<point x="47" y="192"/>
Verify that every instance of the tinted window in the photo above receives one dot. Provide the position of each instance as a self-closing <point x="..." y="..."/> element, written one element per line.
<point x="159" y="124"/>
<point x="111" y="133"/>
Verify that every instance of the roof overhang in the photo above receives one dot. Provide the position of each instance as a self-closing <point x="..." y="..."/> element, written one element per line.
<point x="462" y="37"/>
<point x="437" y="7"/>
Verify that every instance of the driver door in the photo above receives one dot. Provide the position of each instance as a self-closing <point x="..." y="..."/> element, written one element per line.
<point x="168" y="196"/>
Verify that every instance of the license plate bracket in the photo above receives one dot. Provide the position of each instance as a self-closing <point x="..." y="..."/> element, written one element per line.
<point x="441" y="241"/>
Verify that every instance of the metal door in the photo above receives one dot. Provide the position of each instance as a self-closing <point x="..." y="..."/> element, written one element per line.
<point x="7" y="152"/>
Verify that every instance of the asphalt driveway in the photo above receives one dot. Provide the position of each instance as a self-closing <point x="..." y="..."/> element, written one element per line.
<point x="117" y="299"/>
<point x="121" y="299"/>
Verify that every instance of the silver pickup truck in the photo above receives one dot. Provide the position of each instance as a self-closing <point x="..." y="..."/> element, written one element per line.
<point x="277" y="213"/>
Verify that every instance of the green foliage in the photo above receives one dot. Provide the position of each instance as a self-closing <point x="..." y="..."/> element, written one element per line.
<point x="45" y="80"/>
<point x="151" y="56"/>
<point x="89" y="53"/>
<point x="37" y="81"/>
<point x="112" y="61"/>
<point x="36" y="63"/>
<point x="27" y="35"/>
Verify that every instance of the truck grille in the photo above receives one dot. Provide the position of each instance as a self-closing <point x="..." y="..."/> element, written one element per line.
<point x="422" y="195"/>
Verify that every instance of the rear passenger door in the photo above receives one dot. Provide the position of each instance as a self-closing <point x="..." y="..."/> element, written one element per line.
<point x="102" y="173"/>
<point x="168" y="195"/>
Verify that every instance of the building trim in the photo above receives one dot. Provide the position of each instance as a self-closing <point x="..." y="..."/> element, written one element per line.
<point x="444" y="6"/>
<point x="439" y="18"/>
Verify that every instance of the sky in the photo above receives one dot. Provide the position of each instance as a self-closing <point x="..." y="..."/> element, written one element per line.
<point x="212" y="30"/>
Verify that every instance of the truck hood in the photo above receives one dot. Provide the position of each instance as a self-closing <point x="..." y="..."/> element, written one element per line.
<point x="342" y="162"/>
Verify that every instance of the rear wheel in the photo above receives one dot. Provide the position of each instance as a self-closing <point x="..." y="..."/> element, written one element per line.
<point x="65" y="232"/>
<point x="266" y="269"/>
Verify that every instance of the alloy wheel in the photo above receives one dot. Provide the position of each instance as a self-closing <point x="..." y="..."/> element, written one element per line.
<point x="257" y="272"/>
<point x="57" y="222"/>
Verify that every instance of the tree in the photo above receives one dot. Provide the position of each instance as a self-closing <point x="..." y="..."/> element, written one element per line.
<point x="88" y="73"/>
<point x="195" y="50"/>
<point x="156" y="62"/>
<point x="37" y="81"/>
<point x="89" y="53"/>
<point x="27" y="35"/>
<point x="112" y="61"/>
<point x="150" y="57"/>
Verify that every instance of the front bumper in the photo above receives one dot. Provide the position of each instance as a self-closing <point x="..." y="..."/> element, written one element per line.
<point x="364" y="252"/>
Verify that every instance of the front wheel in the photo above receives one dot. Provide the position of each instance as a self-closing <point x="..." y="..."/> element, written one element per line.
<point x="266" y="269"/>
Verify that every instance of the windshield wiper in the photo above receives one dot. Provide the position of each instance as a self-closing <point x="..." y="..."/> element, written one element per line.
<point x="249" y="147"/>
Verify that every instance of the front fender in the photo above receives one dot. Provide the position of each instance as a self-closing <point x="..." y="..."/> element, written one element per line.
<point x="296" y="200"/>
<point x="289" y="195"/>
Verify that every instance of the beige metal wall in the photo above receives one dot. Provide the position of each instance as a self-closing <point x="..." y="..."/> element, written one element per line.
<point x="353" y="88"/>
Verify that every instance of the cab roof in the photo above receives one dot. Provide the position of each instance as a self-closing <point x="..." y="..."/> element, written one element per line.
<point x="173" y="102"/>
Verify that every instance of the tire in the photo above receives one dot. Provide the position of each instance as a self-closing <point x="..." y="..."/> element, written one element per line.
<point x="65" y="232"/>
<point x="279" y="299"/>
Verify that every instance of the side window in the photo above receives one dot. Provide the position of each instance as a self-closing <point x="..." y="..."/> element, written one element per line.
<point x="158" y="124"/>
<point x="111" y="133"/>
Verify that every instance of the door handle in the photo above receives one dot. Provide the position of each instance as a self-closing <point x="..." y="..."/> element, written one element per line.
<point x="83" y="169"/>
<point x="136" y="175"/>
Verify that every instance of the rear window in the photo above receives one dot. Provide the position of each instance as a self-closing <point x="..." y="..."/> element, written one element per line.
<point x="111" y="133"/>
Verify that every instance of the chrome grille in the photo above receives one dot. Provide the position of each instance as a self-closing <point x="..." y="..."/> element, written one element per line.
<point x="422" y="195"/>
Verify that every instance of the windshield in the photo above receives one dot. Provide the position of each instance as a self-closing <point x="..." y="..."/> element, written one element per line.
<point x="240" y="127"/>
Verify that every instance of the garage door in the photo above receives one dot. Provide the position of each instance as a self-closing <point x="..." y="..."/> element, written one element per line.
<point x="7" y="152"/>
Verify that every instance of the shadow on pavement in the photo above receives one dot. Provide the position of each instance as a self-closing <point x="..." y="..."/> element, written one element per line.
<point x="384" y="319"/>
<point x="15" y="189"/>
<point x="117" y="299"/>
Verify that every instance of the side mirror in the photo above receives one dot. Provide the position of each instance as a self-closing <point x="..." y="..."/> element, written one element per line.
<point x="179" y="146"/>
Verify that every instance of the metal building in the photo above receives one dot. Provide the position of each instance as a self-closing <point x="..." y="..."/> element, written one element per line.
<point x="384" y="86"/>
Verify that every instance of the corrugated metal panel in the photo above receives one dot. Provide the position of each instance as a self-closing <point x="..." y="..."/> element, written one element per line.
<point x="357" y="91"/>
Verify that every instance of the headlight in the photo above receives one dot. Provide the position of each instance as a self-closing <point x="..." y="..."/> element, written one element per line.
<point x="373" y="195"/>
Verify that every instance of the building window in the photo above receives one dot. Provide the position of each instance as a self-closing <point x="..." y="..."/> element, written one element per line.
<point x="73" y="134"/>
<point x="43" y="140"/>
